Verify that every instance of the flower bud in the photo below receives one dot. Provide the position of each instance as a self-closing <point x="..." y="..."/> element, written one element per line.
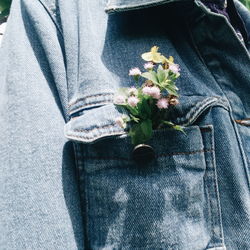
<point x="174" y="101"/>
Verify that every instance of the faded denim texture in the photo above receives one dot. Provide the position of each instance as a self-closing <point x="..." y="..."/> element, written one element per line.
<point x="67" y="177"/>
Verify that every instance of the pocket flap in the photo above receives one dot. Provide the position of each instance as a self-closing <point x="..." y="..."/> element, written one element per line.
<point x="94" y="124"/>
<point x="99" y="122"/>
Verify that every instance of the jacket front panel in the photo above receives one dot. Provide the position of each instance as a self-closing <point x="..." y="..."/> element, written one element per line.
<point x="129" y="207"/>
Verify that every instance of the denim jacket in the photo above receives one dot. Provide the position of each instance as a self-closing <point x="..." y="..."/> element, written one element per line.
<point x="67" y="177"/>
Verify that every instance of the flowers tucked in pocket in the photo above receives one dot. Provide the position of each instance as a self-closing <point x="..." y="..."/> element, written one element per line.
<point x="146" y="106"/>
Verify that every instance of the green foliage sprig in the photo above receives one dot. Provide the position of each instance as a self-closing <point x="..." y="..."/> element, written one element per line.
<point x="145" y="107"/>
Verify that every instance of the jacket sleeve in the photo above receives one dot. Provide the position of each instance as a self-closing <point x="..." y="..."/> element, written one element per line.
<point x="39" y="199"/>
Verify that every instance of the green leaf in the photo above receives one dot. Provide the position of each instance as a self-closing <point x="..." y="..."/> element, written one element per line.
<point x="136" y="134"/>
<point x="145" y="110"/>
<point x="170" y="124"/>
<point x="173" y="76"/>
<point x="146" y="127"/>
<point x="151" y="75"/>
<point x="161" y="74"/>
<point x="172" y="90"/>
<point x="179" y="128"/>
<point x="141" y="132"/>
<point x="135" y="119"/>
<point x="132" y="110"/>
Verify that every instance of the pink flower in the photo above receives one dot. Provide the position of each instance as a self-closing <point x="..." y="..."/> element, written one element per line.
<point x="148" y="66"/>
<point x="134" y="72"/>
<point x="152" y="91"/>
<point x="119" y="100"/>
<point x="162" y="103"/>
<point x="146" y="90"/>
<point x="175" y="68"/>
<point x="132" y="101"/>
<point x="120" y="122"/>
<point x="155" y="92"/>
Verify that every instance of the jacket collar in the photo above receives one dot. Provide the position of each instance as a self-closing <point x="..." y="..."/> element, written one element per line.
<point x="125" y="5"/>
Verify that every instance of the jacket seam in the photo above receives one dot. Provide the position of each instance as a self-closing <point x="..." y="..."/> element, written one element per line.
<point x="51" y="17"/>
<point x="89" y="96"/>
<point x="71" y="135"/>
<point x="91" y="129"/>
<point x="90" y="138"/>
<point x="157" y="156"/>
<point x="83" y="193"/>
<point x="61" y="42"/>
<point x="86" y="106"/>
<point x="217" y="215"/>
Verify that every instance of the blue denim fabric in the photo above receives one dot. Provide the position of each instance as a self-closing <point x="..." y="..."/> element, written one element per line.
<point x="220" y="7"/>
<point x="67" y="177"/>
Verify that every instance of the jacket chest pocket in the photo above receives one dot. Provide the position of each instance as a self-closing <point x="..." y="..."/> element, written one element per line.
<point x="171" y="202"/>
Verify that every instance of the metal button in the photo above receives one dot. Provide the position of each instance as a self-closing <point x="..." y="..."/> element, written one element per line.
<point x="143" y="154"/>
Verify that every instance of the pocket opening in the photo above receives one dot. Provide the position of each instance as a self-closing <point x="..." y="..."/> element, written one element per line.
<point x="95" y="121"/>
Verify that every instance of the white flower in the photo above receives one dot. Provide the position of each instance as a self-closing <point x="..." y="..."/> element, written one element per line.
<point x="175" y="68"/>
<point x="162" y="103"/>
<point x="132" y="91"/>
<point x="148" y="66"/>
<point x="132" y="101"/>
<point x="134" y="72"/>
<point x="119" y="99"/>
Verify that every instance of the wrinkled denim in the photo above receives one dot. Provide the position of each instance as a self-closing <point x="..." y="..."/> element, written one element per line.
<point x="67" y="177"/>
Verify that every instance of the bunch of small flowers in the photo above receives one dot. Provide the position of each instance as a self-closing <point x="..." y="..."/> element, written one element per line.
<point x="145" y="107"/>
